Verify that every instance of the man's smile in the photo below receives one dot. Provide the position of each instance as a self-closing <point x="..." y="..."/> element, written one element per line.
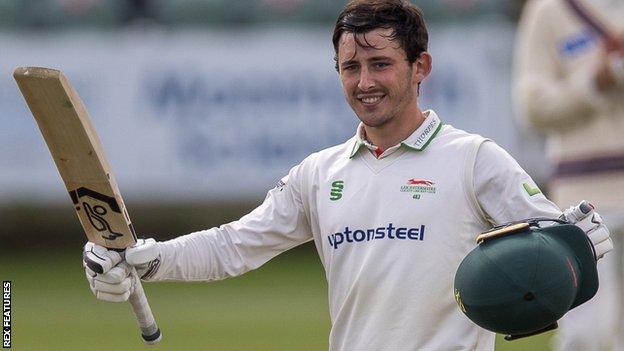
<point x="370" y="99"/>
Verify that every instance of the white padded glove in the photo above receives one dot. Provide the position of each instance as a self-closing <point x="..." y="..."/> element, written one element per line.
<point x="585" y="217"/>
<point x="109" y="275"/>
<point x="145" y="257"/>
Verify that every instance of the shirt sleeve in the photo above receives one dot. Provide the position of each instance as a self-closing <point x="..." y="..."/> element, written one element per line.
<point x="232" y="249"/>
<point x="504" y="191"/>
<point x="547" y="97"/>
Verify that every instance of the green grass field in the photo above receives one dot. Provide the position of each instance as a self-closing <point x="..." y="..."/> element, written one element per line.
<point x="281" y="306"/>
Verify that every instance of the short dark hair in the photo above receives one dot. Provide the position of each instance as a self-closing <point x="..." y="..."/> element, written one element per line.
<point x="404" y="18"/>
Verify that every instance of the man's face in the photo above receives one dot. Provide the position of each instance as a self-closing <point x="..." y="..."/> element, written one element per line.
<point x="378" y="82"/>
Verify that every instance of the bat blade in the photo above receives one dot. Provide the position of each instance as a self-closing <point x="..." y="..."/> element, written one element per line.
<point x="78" y="155"/>
<point x="80" y="159"/>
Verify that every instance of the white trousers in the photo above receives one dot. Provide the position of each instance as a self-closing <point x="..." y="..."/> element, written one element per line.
<point x="598" y="324"/>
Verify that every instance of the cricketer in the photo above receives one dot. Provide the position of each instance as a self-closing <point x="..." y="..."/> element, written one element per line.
<point x="392" y="211"/>
<point x="569" y="86"/>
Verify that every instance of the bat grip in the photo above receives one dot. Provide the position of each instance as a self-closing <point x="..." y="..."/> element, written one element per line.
<point x="149" y="330"/>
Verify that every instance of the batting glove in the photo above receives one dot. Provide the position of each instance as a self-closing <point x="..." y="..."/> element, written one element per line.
<point x="110" y="276"/>
<point x="585" y="217"/>
<point x="145" y="257"/>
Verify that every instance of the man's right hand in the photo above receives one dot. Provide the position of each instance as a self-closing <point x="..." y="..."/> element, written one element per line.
<point x="108" y="273"/>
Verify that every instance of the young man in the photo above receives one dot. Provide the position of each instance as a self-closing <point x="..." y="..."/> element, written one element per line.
<point x="569" y="85"/>
<point x="392" y="211"/>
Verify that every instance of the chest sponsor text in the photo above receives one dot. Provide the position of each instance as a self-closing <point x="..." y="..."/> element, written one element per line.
<point x="389" y="232"/>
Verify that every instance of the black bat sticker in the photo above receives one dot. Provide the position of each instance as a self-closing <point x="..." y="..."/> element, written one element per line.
<point x="96" y="213"/>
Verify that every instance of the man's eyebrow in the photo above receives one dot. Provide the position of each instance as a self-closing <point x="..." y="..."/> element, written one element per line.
<point x="370" y="59"/>
<point x="349" y="62"/>
<point x="379" y="58"/>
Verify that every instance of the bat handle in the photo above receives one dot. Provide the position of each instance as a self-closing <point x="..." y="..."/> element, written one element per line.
<point x="149" y="330"/>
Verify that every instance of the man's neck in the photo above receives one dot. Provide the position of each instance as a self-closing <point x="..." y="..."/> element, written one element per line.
<point x="395" y="131"/>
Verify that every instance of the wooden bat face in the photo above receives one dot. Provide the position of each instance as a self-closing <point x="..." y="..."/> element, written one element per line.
<point x="79" y="157"/>
<point x="78" y="154"/>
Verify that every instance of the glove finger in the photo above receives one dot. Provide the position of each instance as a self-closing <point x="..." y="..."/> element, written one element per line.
<point x="597" y="218"/>
<point x="92" y="289"/>
<point x="88" y="271"/>
<point x="598" y="234"/>
<point x="100" y="259"/>
<point x="116" y="275"/>
<point x="144" y="251"/>
<point x="112" y="297"/>
<point x="585" y="208"/>
<point x="90" y="280"/>
<point x="579" y="212"/>
<point x="88" y="246"/>
<point x="586" y="224"/>
<point x="117" y="289"/>
<point x="602" y="248"/>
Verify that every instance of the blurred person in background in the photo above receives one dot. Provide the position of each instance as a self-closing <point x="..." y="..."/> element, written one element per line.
<point x="569" y="86"/>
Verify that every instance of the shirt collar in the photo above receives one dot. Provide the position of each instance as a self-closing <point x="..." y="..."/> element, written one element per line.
<point x="417" y="141"/>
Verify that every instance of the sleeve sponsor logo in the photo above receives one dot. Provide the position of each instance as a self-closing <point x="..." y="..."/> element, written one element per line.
<point x="350" y="236"/>
<point x="530" y="189"/>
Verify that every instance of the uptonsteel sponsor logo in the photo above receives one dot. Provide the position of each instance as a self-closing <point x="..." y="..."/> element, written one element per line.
<point x="389" y="232"/>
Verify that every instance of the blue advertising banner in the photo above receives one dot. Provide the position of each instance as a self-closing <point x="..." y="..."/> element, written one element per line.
<point x="200" y="115"/>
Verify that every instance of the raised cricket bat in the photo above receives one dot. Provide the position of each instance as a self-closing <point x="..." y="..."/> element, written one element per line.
<point x="79" y="157"/>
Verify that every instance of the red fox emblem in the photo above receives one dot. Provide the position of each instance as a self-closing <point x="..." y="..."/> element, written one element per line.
<point x="420" y="182"/>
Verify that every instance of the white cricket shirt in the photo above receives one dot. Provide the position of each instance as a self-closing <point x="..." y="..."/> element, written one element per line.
<point x="390" y="233"/>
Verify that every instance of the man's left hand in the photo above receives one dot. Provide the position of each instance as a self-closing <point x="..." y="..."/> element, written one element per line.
<point x="585" y="217"/>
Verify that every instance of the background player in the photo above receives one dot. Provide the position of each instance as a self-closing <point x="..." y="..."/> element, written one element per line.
<point x="392" y="211"/>
<point x="569" y="84"/>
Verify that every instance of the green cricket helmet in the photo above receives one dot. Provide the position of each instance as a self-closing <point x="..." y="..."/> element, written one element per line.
<point x="521" y="278"/>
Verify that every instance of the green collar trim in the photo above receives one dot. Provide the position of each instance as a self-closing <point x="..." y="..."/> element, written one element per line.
<point x="356" y="146"/>
<point x="414" y="143"/>
<point x="425" y="137"/>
